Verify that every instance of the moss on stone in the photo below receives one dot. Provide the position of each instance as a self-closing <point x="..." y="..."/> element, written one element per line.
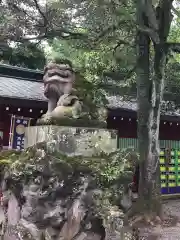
<point x="39" y="168"/>
<point x="110" y="171"/>
<point x="81" y="122"/>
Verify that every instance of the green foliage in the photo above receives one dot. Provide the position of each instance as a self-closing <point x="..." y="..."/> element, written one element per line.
<point x="97" y="36"/>
<point x="110" y="171"/>
<point x="7" y="157"/>
<point x="100" y="73"/>
<point x="107" y="48"/>
<point x="111" y="31"/>
<point x="89" y="68"/>
<point x="27" y="55"/>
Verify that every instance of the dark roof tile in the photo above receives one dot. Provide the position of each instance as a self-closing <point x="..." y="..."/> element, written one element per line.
<point x="22" y="89"/>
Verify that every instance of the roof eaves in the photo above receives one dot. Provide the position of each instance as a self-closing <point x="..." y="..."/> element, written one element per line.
<point x="22" y="98"/>
<point x="20" y="68"/>
<point x="21" y="78"/>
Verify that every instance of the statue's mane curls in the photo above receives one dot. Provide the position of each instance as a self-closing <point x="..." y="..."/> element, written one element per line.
<point x="58" y="67"/>
<point x="60" y="61"/>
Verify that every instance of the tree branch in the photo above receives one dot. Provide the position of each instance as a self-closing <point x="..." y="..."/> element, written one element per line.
<point x="176" y="12"/>
<point x="60" y="33"/>
<point x="109" y="29"/>
<point x="175" y="47"/>
<point x="20" y="10"/>
<point x="152" y="33"/>
<point x="164" y="17"/>
<point x="120" y="76"/>
<point x="65" y="34"/>
<point x="147" y="21"/>
<point x="41" y="12"/>
<point x="150" y="13"/>
<point x="119" y="43"/>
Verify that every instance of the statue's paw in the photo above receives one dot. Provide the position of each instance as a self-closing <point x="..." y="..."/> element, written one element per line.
<point x="41" y="120"/>
<point x="76" y="114"/>
<point x="43" y="116"/>
<point x="45" y="119"/>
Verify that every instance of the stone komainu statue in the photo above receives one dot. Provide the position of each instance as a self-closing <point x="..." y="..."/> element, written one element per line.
<point x="58" y="88"/>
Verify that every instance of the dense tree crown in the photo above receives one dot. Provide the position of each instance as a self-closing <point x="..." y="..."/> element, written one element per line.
<point x="99" y="37"/>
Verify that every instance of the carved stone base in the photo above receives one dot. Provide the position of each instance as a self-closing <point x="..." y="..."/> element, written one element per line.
<point x="81" y="122"/>
<point x="72" y="140"/>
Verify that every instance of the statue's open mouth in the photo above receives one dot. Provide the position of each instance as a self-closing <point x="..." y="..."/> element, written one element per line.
<point x="55" y="79"/>
<point x="51" y="89"/>
<point x="58" y="72"/>
<point x="62" y="77"/>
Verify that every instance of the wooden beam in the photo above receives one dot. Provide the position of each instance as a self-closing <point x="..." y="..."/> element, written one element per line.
<point x="23" y="103"/>
<point x="17" y="72"/>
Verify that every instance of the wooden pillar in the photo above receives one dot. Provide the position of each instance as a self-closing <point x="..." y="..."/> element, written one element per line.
<point x="1" y="126"/>
<point x="4" y="124"/>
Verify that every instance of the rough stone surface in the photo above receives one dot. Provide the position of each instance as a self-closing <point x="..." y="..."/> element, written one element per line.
<point x="73" y="140"/>
<point x="56" y="197"/>
<point x="50" y="195"/>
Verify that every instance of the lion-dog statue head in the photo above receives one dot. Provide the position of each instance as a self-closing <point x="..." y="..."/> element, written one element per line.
<point x="58" y="79"/>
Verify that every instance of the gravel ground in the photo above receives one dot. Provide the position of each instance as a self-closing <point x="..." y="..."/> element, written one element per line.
<point x="170" y="229"/>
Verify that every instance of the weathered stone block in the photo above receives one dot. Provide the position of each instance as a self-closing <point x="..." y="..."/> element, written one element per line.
<point x="73" y="140"/>
<point x="61" y="195"/>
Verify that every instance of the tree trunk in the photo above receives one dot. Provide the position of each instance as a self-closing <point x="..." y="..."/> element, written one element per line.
<point x="149" y="94"/>
<point x="148" y="133"/>
<point x="147" y="130"/>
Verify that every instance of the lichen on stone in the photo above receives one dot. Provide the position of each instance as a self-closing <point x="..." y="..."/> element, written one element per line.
<point x="60" y="195"/>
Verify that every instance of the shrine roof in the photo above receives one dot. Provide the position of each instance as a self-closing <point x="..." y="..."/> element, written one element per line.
<point x="17" y="88"/>
<point x="21" y="83"/>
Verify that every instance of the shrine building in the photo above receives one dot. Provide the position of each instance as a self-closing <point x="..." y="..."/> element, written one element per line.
<point x="21" y="94"/>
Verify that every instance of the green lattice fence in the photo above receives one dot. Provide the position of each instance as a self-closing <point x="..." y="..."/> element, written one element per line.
<point x="133" y="142"/>
<point x="169" y="163"/>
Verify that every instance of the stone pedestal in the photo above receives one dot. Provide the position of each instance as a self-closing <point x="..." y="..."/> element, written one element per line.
<point x="73" y="140"/>
<point x="60" y="182"/>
